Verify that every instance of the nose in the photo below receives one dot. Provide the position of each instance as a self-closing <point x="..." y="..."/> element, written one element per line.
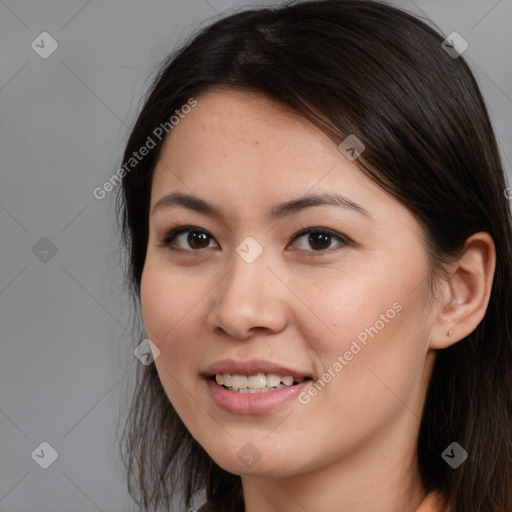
<point x="249" y="300"/>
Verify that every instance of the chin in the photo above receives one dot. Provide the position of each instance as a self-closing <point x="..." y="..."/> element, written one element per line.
<point x="264" y="467"/>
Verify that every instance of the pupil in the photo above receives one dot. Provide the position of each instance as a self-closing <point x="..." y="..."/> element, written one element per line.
<point x="323" y="239"/>
<point x="193" y="235"/>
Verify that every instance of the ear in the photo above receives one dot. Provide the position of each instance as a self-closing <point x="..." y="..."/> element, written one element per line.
<point x="466" y="292"/>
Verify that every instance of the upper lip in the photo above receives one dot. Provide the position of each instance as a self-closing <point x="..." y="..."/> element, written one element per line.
<point x="251" y="368"/>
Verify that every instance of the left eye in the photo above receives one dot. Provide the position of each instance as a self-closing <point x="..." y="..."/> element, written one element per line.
<point x="320" y="237"/>
<point x="198" y="238"/>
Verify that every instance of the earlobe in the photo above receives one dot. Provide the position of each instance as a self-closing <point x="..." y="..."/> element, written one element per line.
<point x="467" y="292"/>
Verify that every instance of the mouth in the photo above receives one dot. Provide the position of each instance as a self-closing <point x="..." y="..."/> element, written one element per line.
<point x="254" y="394"/>
<point x="257" y="383"/>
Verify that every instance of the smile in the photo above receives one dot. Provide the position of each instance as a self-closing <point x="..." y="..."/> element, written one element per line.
<point x="259" y="383"/>
<point x="248" y="400"/>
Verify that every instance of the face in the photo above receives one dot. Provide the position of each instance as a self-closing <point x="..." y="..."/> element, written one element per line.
<point x="344" y="305"/>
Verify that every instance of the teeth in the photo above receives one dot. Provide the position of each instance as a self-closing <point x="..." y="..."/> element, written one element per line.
<point x="288" y="381"/>
<point x="255" y="383"/>
<point x="272" y="380"/>
<point x="238" y="381"/>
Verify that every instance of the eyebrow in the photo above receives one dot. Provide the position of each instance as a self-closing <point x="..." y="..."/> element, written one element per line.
<point x="278" y="212"/>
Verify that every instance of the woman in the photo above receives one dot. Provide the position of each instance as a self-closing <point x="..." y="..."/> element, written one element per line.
<point x="314" y="212"/>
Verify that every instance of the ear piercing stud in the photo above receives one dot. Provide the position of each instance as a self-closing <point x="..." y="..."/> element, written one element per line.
<point x="450" y="333"/>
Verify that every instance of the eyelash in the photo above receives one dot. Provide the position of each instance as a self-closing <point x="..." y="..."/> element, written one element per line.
<point x="166" y="240"/>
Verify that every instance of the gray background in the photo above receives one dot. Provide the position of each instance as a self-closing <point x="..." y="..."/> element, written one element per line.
<point x="66" y="352"/>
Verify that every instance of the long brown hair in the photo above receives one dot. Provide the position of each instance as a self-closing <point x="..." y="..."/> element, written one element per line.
<point x="350" y="67"/>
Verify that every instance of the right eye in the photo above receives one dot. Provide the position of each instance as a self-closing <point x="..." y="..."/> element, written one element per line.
<point x="192" y="235"/>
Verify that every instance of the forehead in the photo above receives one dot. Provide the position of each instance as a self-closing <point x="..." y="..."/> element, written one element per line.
<point x="226" y="124"/>
<point x="245" y="136"/>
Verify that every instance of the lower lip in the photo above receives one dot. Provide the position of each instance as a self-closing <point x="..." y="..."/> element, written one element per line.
<point x="253" y="403"/>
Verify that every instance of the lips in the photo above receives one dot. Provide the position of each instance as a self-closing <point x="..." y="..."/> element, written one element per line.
<point x="254" y="403"/>
<point x="252" y="367"/>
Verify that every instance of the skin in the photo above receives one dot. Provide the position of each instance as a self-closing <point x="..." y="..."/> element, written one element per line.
<point x="352" y="447"/>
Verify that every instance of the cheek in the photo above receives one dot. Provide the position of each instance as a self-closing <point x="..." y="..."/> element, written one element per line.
<point x="373" y="324"/>
<point x="153" y="298"/>
<point x="162" y="306"/>
<point x="168" y="313"/>
<point x="173" y="314"/>
<point x="350" y="307"/>
<point x="378" y="327"/>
